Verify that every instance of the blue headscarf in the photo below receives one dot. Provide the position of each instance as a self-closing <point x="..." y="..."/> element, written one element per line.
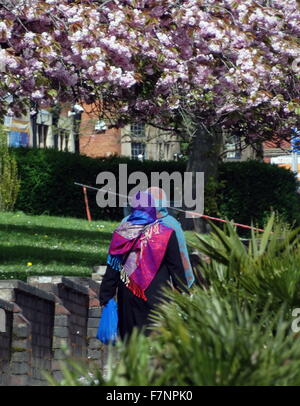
<point x="166" y="219"/>
<point x="143" y="240"/>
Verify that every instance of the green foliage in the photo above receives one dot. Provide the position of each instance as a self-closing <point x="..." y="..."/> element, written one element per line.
<point x="49" y="245"/>
<point x="211" y="194"/>
<point x="245" y="191"/>
<point x="235" y="332"/>
<point x="211" y="340"/>
<point x="250" y="190"/>
<point x="9" y="181"/>
<point x="268" y="269"/>
<point x="75" y="373"/>
<point x="48" y="178"/>
<point x="203" y="340"/>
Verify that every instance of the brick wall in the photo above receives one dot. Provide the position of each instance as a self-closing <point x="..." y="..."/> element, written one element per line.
<point x="31" y="345"/>
<point x="72" y="317"/>
<point x="47" y="320"/>
<point x="101" y="144"/>
<point x="76" y="301"/>
<point x="95" y="348"/>
<point x="97" y="144"/>
<point x="40" y="313"/>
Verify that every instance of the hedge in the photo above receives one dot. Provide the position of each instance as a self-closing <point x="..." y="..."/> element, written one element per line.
<point x="250" y="190"/>
<point x="48" y="176"/>
<point x="246" y="191"/>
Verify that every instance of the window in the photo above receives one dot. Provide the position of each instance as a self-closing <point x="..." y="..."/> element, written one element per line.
<point x="137" y="130"/>
<point x="100" y="125"/>
<point x="18" y="139"/>
<point x="234" y="148"/>
<point x="137" y="150"/>
<point x="55" y="140"/>
<point x="61" y="140"/>
<point x="7" y="121"/>
<point x="66" y="136"/>
<point x="42" y="132"/>
<point x="295" y="142"/>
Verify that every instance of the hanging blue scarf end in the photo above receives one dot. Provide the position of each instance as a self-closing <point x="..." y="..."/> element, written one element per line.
<point x="114" y="261"/>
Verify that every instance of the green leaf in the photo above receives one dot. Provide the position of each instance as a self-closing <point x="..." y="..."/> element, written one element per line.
<point x="266" y="234"/>
<point x="52" y="93"/>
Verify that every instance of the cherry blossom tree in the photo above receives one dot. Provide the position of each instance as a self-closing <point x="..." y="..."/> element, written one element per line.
<point x="197" y="67"/>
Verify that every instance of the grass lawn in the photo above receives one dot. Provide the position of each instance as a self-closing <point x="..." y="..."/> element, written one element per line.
<point x="46" y="245"/>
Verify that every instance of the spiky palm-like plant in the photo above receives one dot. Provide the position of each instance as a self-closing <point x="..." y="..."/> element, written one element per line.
<point x="268" y="267"/>
<point x="203" y="340"/>
<point x="237" y="331"/>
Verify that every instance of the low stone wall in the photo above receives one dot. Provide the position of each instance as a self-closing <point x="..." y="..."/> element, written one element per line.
<point x="95" y="349"/>
<point x="33" y="317"/>
<point x="71" y="318"/>
<point x="48" y="319"/>
<point x="6" y="323"/>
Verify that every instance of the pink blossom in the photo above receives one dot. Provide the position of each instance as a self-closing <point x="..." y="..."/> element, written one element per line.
<point x="216" y="57"/>
<point x="127" y="80"/>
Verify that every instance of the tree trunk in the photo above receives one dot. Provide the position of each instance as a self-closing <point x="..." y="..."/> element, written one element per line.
<point x="204" y="155"/>
<point x="259" y="151"/>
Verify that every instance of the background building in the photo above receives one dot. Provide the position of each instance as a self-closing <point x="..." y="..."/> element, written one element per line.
<point x="140" y="141"/>
<point x="76" y="128"/>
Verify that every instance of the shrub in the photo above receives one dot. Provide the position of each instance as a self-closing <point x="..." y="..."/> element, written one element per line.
<point x="266" y="270"/>
<point x="236" y="332"/>
<point x="202" y="340"/>
<point x="9" y="181"/>
<point x="48" y="177"/>
<point x="250" y="190"/>
<point x="245" y="192"/>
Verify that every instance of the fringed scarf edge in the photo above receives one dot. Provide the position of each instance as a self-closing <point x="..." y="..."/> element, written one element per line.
<point x="136" y="290"/>
<point x="115" y="261"/>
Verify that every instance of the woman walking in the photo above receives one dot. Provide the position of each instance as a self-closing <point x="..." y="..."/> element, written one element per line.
<point x="144" y="257"/>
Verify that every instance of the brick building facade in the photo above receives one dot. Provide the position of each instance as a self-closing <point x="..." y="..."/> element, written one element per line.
<point x="95" y="142"/>
<point x="61" y="129"/>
